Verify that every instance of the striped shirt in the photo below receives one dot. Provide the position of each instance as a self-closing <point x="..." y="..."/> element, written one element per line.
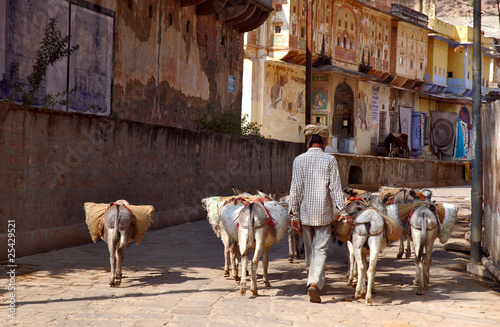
<point x="315" y="188"/>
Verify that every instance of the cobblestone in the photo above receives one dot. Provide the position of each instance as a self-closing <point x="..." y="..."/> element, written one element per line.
<point x="175" y="278"/>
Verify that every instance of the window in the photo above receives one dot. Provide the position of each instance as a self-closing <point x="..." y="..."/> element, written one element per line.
<point x="351" y="46"/>
<point x="435" y="69"/>
<point x="303" y="32"/>
<point x="352" y="27"/>
<point x="468" y="75"/>
<point x="439" y="71"/>
<point x="450" y="74"/>
<point x="401" y="60"/>
<point x="339" y="42"/>
<point x="340" y="23"/>
<point x="378" y="53"/>
<point x="411" y="63"/>
<point x="345" y="43"/>
<point x="277" y="29"/>
<point x="421" y="66"/>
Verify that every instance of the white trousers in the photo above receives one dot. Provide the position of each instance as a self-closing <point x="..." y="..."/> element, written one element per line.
<point x="316" y="242"/>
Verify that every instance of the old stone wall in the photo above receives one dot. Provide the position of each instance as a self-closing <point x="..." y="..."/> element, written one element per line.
<point x="371" y="172"/>
<point x="52" y="163"/>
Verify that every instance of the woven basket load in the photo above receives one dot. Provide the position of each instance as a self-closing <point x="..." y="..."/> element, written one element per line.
<point x="279" y="215"/>
<point x="449" y="220"/>
<point x="94" y="214"/>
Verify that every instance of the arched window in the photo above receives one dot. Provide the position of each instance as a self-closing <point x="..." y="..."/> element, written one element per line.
<point x="342" y="124"/>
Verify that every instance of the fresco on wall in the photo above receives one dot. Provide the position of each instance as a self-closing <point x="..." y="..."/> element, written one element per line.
<point x="286" y="90"/>
<point x="278" y="90"/>
<point x="362" y="119"/>
<point x="319" y="100"/>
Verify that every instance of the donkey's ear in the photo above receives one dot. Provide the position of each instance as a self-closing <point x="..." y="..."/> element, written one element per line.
<point x="236" y="191"/>
<point x="262" y="194"/>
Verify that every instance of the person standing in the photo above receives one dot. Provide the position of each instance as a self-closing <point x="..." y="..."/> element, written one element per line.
<point x="314" y="191"/>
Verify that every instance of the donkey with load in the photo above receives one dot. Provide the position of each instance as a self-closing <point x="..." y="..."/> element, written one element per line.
<point x="118" y="224"/>
<point x="251" y="221"/>
<point x="428" y="221"/>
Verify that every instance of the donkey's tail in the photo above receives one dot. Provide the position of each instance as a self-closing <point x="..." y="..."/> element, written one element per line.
<point x="245" y="231"/>
<point x="423" y="237"/>
<point x="116" y="229"/>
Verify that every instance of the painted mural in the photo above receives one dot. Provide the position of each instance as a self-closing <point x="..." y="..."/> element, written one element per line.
<point x="363" y="109"/>
<point x="319" y="99"/>
<point x="284" y="101"/>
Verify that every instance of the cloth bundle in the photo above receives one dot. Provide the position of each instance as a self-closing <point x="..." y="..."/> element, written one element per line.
<point x="94" y="214"/>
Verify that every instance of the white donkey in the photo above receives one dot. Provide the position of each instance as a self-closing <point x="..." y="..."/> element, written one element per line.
<point x="215" y="207"/>
<point x="255" y="224"/>
<point x="424" y="231"/>
<point x="368" y="230"/>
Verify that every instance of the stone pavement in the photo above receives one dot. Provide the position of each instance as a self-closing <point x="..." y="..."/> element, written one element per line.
<point x="175" y="278"/>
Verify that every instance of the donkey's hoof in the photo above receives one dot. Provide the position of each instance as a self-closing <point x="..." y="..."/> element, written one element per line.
<point x="226" y="274"/>
<point x="255" y="292"/>
<point x="399" y="255"/>
<point x="290" y="259"/>
<point x="267" y="284"/>
<point x="243" y="290"/>
<point x="118" y="282"/>
<point x="111" y="284"/>
<point x="420" y="291"/>
<point x="368" y="300"/>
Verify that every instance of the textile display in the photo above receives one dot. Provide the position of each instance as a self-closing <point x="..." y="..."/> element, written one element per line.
<point x="417" y="133"/>
<point x="460" y="150"/>
<point x="405" y="120"/>
<point x="443" y="125"/>
<point x="465" y="133"/>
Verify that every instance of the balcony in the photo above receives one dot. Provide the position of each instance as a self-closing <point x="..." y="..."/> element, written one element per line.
<point x="242" y="15"/>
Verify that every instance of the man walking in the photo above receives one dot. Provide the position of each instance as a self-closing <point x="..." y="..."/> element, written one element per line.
<point x="314" y="192"/>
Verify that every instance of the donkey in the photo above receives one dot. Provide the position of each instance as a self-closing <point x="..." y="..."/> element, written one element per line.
<point x="293" y="236"/>
<point x="254" y="226"/>
<point x="406" y="196"/>
<point x="368" y="230"/>
<point x="231" y="251"/>
<point x="424" y="231"/>
<point x="118" y="232"/>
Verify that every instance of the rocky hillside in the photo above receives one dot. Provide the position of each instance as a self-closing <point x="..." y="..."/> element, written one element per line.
<point x="460" y="8"/>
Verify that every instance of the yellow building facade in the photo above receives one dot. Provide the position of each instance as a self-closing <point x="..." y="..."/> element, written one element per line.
<point x="377" y="69"/>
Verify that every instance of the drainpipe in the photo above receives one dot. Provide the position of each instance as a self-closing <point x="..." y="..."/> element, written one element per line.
<point x="309" y="38"/>
<point x="477" y="164"/>
<point x="491" y="268"/>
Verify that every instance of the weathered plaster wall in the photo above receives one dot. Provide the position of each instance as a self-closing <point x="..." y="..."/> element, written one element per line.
<point x="169" y="63"/>
<point x="52" y="163"/>
<point x="491" y="180"/>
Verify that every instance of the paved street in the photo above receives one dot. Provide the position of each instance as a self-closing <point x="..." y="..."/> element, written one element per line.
<point x="175" y="278"/>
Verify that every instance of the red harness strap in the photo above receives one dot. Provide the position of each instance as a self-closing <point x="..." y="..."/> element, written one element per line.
<point x="261" y="201"/>
<point x="112" y="204"/>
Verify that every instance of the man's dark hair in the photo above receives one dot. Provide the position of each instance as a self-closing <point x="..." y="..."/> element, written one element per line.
<point x="316" y="139"/>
